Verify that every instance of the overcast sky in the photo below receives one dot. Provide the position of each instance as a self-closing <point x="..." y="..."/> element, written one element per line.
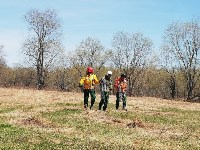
<point x="99" y="19"/>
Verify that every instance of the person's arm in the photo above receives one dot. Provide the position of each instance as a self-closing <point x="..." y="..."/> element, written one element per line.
<point x="96" y="81"/>
<point x="116" y="83"/>
<point x="110" y="87"/>
<point x="81" y="81"/>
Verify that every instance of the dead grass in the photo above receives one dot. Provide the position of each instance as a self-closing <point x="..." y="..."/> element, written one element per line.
<point x="150" y="123"/>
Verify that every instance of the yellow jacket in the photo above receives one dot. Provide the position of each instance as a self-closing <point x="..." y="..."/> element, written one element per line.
<point x="89" y="81"/>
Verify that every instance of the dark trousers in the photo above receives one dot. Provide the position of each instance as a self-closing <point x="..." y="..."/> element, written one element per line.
<point x="104" y="100"/>
<point x="121" y="98"/>
<point x="88" y="92"/>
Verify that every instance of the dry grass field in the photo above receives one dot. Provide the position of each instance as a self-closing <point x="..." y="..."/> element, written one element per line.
<point x="32" y="119"/>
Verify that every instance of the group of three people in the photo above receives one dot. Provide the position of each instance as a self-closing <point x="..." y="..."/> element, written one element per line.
<point x="88" y="82"/>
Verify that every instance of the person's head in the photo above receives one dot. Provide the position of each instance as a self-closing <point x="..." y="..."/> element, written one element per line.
<point x="90" y="70"/>
<point x="109" y="74"/>
<point x="123" y="76"/>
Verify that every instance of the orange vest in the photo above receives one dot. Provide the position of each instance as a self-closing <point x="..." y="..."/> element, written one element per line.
<point x="121" y="84"/>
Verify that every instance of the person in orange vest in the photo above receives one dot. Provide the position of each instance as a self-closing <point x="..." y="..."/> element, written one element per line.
<point x="87" y="83"/>
<point x="121" y="87"/>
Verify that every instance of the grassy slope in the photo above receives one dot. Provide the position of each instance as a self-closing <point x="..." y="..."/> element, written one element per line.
<point x="31" y="119"/>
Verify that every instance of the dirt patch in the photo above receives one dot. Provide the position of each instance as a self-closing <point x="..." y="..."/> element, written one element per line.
<point x="33" y="121"/>
<point x="102" y="117"/>
<point x="135" y="124"/>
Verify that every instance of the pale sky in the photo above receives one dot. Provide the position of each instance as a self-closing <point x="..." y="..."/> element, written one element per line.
<point x="99" y="19"/>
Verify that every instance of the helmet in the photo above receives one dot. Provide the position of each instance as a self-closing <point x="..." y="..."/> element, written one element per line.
<point x="109" y="72"/>
<point x="90" y="70"/>
<point x="123" y="75"/>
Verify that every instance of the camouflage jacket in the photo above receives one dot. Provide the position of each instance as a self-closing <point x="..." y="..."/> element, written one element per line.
<point x="106" y="84"/>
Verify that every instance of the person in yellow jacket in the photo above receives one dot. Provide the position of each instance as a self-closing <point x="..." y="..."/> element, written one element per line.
<point x="87" y="83"/>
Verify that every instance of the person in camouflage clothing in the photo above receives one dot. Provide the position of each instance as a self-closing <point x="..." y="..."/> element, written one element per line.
<point x="105" y="87"/>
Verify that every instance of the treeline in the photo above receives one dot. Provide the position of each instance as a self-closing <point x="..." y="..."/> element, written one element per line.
<point x="171" y="72"/>
<point x="151" y="82"/>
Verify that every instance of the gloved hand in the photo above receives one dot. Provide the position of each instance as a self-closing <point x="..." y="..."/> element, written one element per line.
<point x="80" y="85"/>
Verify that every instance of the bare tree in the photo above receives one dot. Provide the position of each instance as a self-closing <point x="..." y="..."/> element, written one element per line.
<point x="183" y="43"/>
<point x="89" y="53"/>
<point x="44" y="44"/>
<point x="171" y="82"/>
<point x="2" y="57"/>
<point x="131" y="52"/>
<point x="169" y="65"/>
<point x="3" y="68"/>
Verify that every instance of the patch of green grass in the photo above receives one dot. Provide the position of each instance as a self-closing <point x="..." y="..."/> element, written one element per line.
<point x="183" y="117"/>
<point x="192" y="114"/>
<point x="88" y="143"/>
<point x="60" y="116"/>
<point x="123" y="115"/>
<point x="67" y="104"/>
<point x="3" y="126"/>
<point x="73" y="119"/>
<point x="188" y="120"/>
<point x="64" y="112"/>
<point x="159" y="119"/>
<point x="9" y="109"/>
<point x="11" y="136"/>
<point x="164" y="116"/>
<point x="173" y="117"/>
